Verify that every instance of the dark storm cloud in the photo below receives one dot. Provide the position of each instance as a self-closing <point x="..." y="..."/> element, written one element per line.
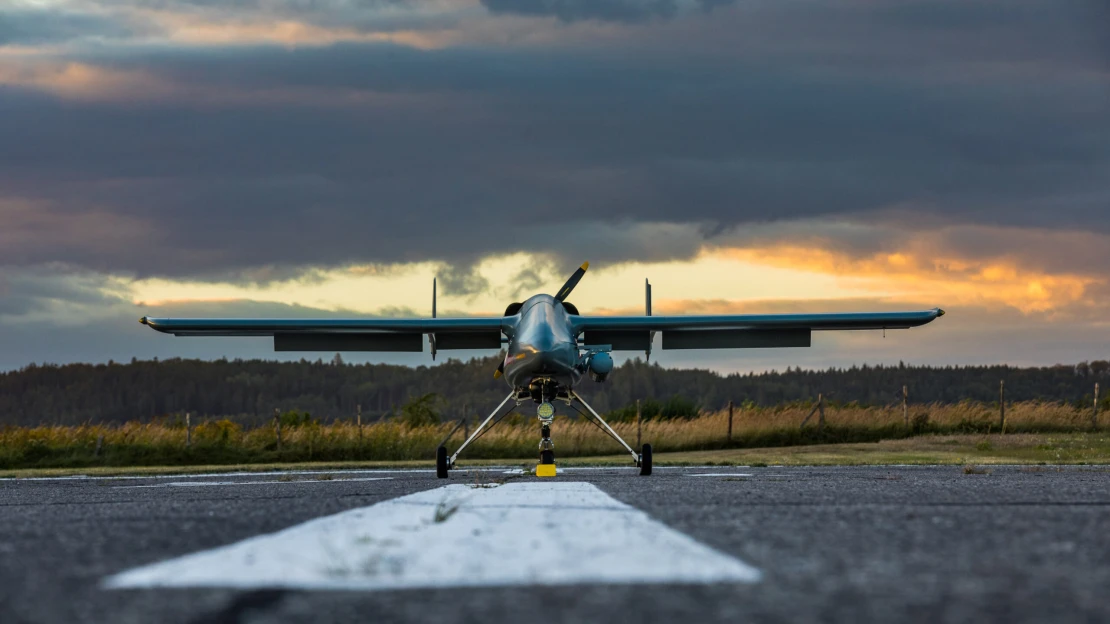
<point x="605" y="10"/>
<point x="37" y="290"/>
<point x="257" y="159"/>
<point x="461" y="280"/>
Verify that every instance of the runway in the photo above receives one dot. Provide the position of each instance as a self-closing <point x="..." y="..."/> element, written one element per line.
<point x="695" y="544"/>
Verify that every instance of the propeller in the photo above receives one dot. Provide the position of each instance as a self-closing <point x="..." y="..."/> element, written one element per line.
<point x="572" y="282"/>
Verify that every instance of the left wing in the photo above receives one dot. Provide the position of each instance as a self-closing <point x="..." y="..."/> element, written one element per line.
<point x="375" y="334"/>
<point x="734" y="331"/>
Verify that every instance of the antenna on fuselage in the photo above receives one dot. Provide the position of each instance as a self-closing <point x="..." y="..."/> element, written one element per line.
<point x="647" y="310"/>
<point x="432" y="337"/>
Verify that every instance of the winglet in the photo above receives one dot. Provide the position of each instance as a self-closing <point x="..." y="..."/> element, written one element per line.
<point x="432" y="336"/>
<point x="647" y="312"/>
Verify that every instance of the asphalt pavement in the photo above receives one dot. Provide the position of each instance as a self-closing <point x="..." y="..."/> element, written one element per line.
<point x="927" y="544"/>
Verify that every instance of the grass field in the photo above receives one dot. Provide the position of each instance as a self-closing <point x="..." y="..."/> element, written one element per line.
<point x="768" y="435"/>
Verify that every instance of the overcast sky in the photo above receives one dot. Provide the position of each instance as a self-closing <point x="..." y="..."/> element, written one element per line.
<point x="329" y="157"/>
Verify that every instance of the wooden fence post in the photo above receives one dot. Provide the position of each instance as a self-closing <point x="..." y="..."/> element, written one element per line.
<point x="188" y="431"/>
<point x="277" y="426"/>
<point x="1002" y="406"/>
<point x="821" y="414"/>
<point x="906" y="405"/>
<point x="1094" y="414"/>
<point x="99" y="445"/>
<point x="358" y="420"/>
<point x="466" y="423"/>
<point x="638" y="424"/>
<point x="729" y="422"/>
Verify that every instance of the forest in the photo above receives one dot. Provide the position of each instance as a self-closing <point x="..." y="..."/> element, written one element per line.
<point x="248" y="391"/>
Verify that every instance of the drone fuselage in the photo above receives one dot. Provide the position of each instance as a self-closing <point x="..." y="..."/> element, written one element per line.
<point x="543" y="344"/>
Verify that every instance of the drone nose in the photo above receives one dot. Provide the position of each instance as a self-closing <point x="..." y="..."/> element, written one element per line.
<point x="558" y="358"/>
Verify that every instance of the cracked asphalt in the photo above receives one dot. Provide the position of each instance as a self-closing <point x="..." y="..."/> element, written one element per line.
<point x="835" y="544"/>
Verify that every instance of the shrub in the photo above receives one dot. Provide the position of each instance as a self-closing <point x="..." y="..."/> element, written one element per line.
<point x="421" y="411"/>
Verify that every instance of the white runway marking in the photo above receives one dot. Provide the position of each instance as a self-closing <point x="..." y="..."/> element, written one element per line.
<point x="213" y="483"/>
<point x="241" y="473"/>
<point x="719" y="474"/>
<point x="459" y="536"/>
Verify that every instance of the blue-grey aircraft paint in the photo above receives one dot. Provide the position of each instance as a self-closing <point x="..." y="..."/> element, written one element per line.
<point x="542" y="343"/>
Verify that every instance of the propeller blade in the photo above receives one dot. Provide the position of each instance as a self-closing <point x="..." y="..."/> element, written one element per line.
<point x="572" y="282"/>
<point x="500" y="370"/>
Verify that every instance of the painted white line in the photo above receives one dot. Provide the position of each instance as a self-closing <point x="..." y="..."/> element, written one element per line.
<point x="719" y="474"/>
<point x="213" y="483"/>
<point x="546" y="533"/>
<point x="203" y="475"/>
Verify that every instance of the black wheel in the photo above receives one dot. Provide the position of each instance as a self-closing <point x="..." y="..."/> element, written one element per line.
<point x="441" y="462"/>
<point x="547" y="457"/>
<point x="645" y="460"/>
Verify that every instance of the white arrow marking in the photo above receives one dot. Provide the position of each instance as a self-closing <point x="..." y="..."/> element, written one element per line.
<point x="459" y="536"/>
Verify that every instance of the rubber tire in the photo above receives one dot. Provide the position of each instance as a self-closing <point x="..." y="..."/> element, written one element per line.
<point x="547" y="457"/>
<point x="645" y="461"/>
<point x="441" y="462"/>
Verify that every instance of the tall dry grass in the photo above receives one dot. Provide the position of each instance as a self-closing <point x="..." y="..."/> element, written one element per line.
<point x="224" y="442"/>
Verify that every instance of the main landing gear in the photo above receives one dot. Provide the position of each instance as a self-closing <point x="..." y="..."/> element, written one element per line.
<point x="546" y="414"/>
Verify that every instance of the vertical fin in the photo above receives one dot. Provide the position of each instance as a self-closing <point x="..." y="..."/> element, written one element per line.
<point x="432" y="337"/>
<point x="647" y="309"/>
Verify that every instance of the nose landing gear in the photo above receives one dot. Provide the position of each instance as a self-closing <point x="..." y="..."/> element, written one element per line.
<point x="546" y="467"/>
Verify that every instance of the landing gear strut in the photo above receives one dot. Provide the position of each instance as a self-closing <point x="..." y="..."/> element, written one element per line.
<point x="643" y="459"/>
<point x="547" y="447"/>
<point x="447" y="463"/>
<point x="546" y="413"/>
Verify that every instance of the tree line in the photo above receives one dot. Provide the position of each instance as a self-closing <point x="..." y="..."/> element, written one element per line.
<point x="249" y="391"/>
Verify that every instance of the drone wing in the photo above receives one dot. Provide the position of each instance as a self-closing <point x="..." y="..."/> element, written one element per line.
<point x="376" y="334"/>
<point x="735" y="331"/>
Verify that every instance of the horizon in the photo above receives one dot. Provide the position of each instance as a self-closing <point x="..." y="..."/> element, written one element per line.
<point x="477" y="358"/>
